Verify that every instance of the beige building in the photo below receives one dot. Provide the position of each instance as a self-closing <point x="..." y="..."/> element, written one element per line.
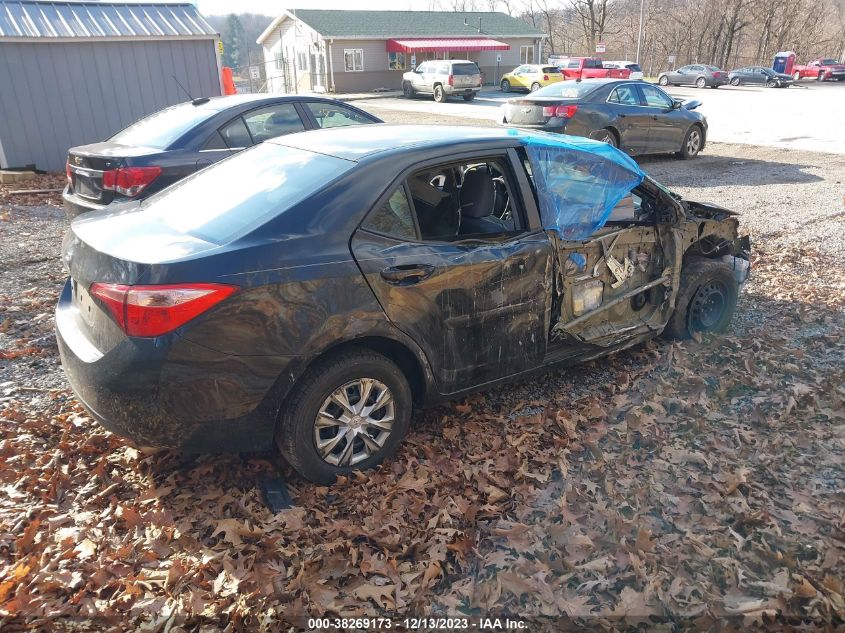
<point x="314" y="50"/>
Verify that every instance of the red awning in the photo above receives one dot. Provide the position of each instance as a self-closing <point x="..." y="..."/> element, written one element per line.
<point x="445" y="44"/>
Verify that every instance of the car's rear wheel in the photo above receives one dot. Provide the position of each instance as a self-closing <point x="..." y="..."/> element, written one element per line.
<point x="663" y="81"/>
<point x="535" y="86"/>
<point x="706" y="300"/>
<point x="605" y="135"/>
<point x="505" y="85"/>
<point x="736" y="81"/>
<point x="701" y="82"/>
<point x="469" y="97"/>
<point x="408" y="90"/>
<point x="439" y="94"/>
<point x="349" y="412"/>
<point x="693" y="142"/>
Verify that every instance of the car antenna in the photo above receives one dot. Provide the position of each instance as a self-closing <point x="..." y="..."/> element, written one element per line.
<point x="195" y="102"/>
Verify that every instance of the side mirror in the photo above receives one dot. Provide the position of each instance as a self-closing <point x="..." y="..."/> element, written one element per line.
<point x="676" y="104"/>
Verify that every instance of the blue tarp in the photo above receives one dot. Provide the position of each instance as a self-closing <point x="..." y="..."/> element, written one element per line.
<point x="578" y="181"/>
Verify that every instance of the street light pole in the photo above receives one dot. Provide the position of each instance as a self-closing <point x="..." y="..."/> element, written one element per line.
<point x="640" y="36"/>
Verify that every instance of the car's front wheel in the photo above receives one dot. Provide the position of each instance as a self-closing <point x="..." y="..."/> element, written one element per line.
<point x="735" y="81"/>
<point x="408" y="90"/>
<point x="693" y="142"/>
<point x="439" y="94"/>
<point x="772" y="83"/>
<point x="505" y="85"/>
<point x="349" y="412"/>
<point x="706" y="299"/>
<point x="796" y="76"/>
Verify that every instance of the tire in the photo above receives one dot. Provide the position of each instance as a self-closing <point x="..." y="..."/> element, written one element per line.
<point x="297" y="434"/>
<point x="663" y="81"/>
<point x="701" y="82"/>
<point x="535" y="87"/>
<point x="772" y="84"/>
<point x="736" y="81"/>
<point x="706" y="300"/>
<point x="605" y="135"/>
<point x="820" y="76"/>
<point x="408" y="90"/>
<point x="691" y="147"/>
<point x="469" y="97"/>
<point x="439" y="94"/>
<point x="505" y="85"/>
<point x="796" y="76"/>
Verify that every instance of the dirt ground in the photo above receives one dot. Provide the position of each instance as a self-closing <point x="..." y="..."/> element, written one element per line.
<point x="696" y="484"/>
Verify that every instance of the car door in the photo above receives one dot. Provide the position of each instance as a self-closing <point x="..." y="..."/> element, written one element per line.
<point x="477" y="304"/>
<point x="677" y="76"/>
<point x="666" y="126"/>
<point x="419" y="79"/>
<point x="630" y="118"/>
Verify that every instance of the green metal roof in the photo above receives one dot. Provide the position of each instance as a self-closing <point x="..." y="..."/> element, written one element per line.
<point x="392" y="24"/>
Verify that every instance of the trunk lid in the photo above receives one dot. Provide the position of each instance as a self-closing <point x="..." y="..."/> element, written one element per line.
<point x="87" y="163"/>
<point x="530" y="111"/>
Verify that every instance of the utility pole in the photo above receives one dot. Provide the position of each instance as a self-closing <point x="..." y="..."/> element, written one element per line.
<point x="640" y="36"/>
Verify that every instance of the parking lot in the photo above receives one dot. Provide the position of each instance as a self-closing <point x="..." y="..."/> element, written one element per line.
<point x="804" y="116"/>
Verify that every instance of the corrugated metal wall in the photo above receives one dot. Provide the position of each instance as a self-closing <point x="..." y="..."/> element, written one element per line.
<point x="55" y="95"/>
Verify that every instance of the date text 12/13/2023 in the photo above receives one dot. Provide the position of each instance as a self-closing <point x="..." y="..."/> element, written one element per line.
<point x="420" y="623"/>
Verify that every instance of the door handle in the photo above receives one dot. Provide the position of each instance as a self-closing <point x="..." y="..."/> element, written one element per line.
<point x="622" y="116"/>
<point x="407" y="274"/>
<point x="654" y="116"/>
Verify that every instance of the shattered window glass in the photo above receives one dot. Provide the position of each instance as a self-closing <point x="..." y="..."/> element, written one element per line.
<point x="393" y="217"/>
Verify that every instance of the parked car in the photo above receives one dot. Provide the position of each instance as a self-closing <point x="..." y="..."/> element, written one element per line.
<point x="697" y="75"/>
<point x="587" y="68"/>
<point x="443" y="79"/>
<point x="635" y="116"/>
<point x="166" y="146"/>
<point x="530" y="77"/>
<point x="758" y="75"/>
<point x="634" y="67"/>
<point x="822" y="69"/>
<point x="313" y="289"/>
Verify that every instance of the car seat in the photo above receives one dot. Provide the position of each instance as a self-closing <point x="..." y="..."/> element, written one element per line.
<point x="478" y="194"/>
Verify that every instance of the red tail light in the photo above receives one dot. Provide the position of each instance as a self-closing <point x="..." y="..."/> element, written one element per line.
<point x="157" y="310"/>
<point x="451" y="80"/>
<point x="545" y="77"/>
<point x="561" y="111"/>
<point x="716" y="74"/>
<point x="68" y="173"/>
<point x="130" y="181"/>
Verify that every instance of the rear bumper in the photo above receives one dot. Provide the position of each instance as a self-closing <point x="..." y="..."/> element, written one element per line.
<point x="452" y="90"/>
<point x="169" y="392"/>
<point x="76" y="205"/>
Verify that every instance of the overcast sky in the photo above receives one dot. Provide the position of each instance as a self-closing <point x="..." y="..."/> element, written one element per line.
<point x="271" y="7"/>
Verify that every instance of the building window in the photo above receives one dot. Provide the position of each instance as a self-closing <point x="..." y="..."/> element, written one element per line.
<point x="526" y="54"/>
<point x="280" y="61"/>
<point x="301" y="60"/>
<point x="353" y="59"/>
<point x="396" y="61"/>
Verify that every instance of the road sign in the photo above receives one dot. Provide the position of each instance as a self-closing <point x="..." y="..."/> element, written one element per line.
<point x="498" y="58"/>
<point x="254" y="72"/>
<point x="600" y="47"/>
<point x="671" y="59"/>
<point x="220" y="47"/>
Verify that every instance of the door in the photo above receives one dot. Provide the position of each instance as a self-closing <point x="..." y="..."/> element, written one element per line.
<point x="450" y="257"/>
<point x="630" y="118"/>
<point x="666" y="128"/>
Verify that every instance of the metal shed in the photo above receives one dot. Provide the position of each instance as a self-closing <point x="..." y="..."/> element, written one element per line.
<point x="77" y="71"/>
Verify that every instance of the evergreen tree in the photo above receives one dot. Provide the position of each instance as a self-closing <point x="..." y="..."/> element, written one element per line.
<point x="234" y="43"/>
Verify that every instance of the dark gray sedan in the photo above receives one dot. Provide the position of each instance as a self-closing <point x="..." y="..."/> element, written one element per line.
<point x="635" y="116"/>
<point x="757" y="75"/>
<point x="698" y="75"/>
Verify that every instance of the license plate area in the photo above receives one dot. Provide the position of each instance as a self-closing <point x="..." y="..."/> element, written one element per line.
<point x="84" y="304"/>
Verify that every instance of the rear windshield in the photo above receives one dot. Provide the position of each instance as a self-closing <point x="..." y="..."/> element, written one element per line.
<point x="634" y="68"/>
<point x="228" y="200"/>
<point x="551" y="69"/>
<point x="712" y="68"/>
<point x="464" y="69"/>
<point x="161" y="129"/>
<point x="566" y="90"/>
<point x="829" y="62"/>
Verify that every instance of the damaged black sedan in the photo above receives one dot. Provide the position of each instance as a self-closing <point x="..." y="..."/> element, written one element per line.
<point x="350" y="275"/>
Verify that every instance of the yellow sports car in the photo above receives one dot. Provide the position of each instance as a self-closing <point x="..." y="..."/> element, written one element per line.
<point x="530" y="77"/>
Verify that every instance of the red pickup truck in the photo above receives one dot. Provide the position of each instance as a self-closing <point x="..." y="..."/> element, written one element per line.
<point x="821" y="69"/>
<point x="587" y="68"/>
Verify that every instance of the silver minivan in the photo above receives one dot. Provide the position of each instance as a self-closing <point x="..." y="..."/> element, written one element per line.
<point x="443" y="78"/>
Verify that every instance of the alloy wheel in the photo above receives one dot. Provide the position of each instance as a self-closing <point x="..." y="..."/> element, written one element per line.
<point x="354" y="422"/>
<point x="708" y="306"/>
<point x="694" y="142"/>
<point x="700" y="82"/>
